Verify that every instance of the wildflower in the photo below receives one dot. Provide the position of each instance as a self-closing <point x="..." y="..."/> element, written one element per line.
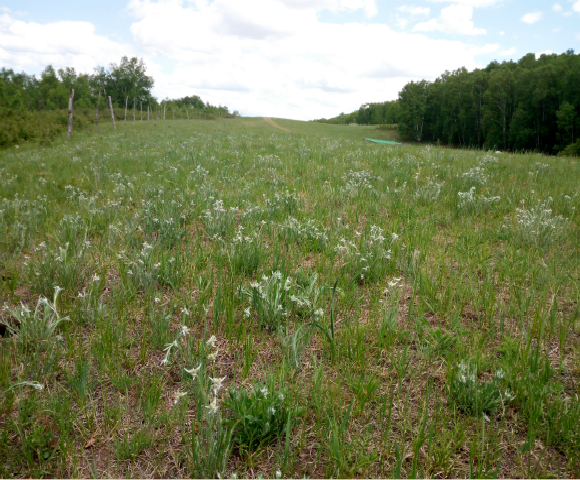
<point x="185" y="311"/>
<point x="57" y="289"/>
<point x="278" y="474"/>
<point x="319" y="312"/>
<point x="212" y="356"/>
<point x="177" y="396"/>
<point x="264" y="391"/>
<point x="157" y="299"/>
<point x="194" y="371"/>
<point x="213" y="406"/>
<point x="217" y="384"/>
<point x="185" y="330"/>
<point x="96" y="278"/>
<point x="247" y="312"/>
<point x="211" y="341"/>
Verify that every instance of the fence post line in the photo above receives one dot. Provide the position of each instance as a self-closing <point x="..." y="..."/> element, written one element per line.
<point x="70" y="114"/>
<point x="112" y="114"/>
<point x="97" y="114"/>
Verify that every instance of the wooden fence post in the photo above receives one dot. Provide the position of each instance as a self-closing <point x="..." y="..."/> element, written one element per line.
<point x="112" y="114"/>
<point x="70" y="115"/>
<point x="126" y="100"/>
<point x="97" y="114"/>
<point x="141" y="110"/>
<point x="164" y="108"/>
<point x="133" y="108"/>
<point x="147" y="112"/>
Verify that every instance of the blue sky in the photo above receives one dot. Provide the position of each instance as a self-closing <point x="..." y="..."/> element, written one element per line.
<point x="284" y="58"/>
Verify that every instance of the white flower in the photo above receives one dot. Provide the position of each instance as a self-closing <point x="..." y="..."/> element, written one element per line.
<point x="278" y="474"/>
<point x="194" y="371"/>
<point x="264" y="391"/>
<point x="212" y="356"/>
<point x="57" y="289"/>
<point x="96" y="278"/>
<point x="217" y="384"/>
<point x="177" y="396"/>
<point x="319" y="312"/>
<point x="213" y="406"/>
<point x="247" y="312"/>
<point x="185" y="330"/>
<point x="185" y="311"/>
<point x="157" y="299"/>
<point x="211" y="341"/>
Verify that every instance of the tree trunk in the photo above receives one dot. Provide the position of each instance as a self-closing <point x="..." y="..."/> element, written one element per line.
<point x="133" y="108"/>
<point x="97" y="114"/>
<point x="70" y="115"/>
<point x="141" y="111"/>
<point x="126" y="100"/>
<point x="187" y="113"/>
<point x="164" y="108"/>
<point x="112" y="114"/>
<point x="147" y="112"/>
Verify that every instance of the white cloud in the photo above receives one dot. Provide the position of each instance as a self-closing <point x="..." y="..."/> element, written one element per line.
<point x="454" y="19"/>
<point x="532" y="17"/>
<point x="414" y="10"/>
<point x="509" y="52"/>
<point x="470" y="3"/>
<point x="402" y="22"/>
<point x="31" y="46"/>
<point x="260" y="57"/>
<point x="557" y="8"/>
<point x="576" y="6"/>
<point x="545" y="52"/>
<point x="502" y="33"/>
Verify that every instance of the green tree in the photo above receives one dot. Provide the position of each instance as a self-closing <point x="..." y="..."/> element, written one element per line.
<point x="413" y="108"/>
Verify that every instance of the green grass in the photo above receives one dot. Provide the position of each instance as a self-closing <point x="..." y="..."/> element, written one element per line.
<point x="412" y="311"/>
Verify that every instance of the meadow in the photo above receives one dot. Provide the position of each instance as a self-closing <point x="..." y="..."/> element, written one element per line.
<point x="228" y="299"/>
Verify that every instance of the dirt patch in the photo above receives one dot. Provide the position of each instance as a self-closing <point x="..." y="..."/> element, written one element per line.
<point x="274" y="124"/>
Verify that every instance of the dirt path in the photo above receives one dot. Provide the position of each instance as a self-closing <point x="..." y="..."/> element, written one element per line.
<point x="274" y="124"/>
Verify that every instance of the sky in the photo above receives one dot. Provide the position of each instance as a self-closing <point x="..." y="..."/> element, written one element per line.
<point x="300" y="59"/>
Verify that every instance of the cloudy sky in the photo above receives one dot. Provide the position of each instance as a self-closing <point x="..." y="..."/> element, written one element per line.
<point x="299" y="59"/>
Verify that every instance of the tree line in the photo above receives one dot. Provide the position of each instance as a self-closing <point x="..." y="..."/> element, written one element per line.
<point x="529" y="104"/>
<point x="126" y="83"/>
<point x="33" y="108"/>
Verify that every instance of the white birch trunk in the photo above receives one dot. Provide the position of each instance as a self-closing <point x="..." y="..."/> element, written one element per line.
<point x="126" y="100"/>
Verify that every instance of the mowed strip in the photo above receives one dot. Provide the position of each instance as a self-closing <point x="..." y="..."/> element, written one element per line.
<point x="274" y="124"/>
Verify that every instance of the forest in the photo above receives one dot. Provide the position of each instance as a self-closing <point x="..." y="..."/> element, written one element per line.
<point x="531" y="104"/>
<point x="33" y="108"/>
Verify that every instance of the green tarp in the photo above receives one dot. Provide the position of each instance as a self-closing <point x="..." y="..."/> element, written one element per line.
<point x="387" y="142"/>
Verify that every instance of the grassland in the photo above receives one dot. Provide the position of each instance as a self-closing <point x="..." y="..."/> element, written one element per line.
<point x="194" y="298"/>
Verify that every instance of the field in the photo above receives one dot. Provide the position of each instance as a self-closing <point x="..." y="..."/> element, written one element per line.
<point x="204" y="298"/>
